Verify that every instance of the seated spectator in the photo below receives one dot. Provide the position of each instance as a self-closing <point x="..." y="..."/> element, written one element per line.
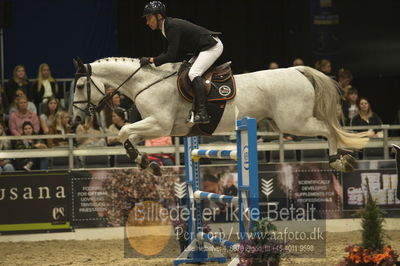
<point x="164" y="158"/>
<point x="343" y="121"/>
<point x="116" y="103"/>
<point x="3" y="105"/>
<point x="13" y="106"/>
<point x="32" y="163"/>
<point x="22" y="114"/>
<point x="60" y="126"/>
<point x="106" y="114"/>
<point x="366" y="117"/>
<point x="46" y="86"/>
<point x="48" y="115"/>
<point x="5" y="164"/>
<point x="344" y="79"/>
<point x="230" y="188"/>
<point x="126" y="102"/>
<point x="298" y="62"/>
<point x="349" y="107"/>
<point x="273" y="65"/>
<point x="91" y="126"/>
<point x="18" y="81"/>
<point x="325" y="66"/>
<point x="118" y="121"/>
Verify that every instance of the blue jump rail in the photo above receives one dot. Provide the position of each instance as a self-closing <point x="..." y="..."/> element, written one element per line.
<point x="198" y="195"/>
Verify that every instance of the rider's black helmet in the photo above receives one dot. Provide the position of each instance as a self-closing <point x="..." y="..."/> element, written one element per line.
<point x="154" y="7"/>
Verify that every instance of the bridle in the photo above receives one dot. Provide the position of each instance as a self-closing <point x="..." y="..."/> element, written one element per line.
<point x="92" y="108"/>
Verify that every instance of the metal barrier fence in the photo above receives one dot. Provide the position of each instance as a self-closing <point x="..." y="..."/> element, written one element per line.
<point x="71" y="151"/>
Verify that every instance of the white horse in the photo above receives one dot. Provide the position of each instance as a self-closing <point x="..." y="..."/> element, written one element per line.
<point x="298" y="100"/>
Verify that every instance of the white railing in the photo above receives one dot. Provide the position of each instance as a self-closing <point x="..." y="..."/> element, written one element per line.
<point x="177" y="149"/>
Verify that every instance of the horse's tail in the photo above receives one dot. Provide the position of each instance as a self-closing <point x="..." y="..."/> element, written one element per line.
<point x="325" y="108"/>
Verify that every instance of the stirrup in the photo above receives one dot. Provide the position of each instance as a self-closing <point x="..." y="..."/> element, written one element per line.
<point x="202" y="119"/>
<point x="190" y="119"/>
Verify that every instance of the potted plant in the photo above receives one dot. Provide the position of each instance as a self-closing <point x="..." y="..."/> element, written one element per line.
<point x="372" y="250"/>
<point x="261" y="248"/>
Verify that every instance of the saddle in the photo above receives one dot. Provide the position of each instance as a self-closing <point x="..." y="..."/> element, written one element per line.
<point x="219" y="88"/>
<point x="219" y="83"/>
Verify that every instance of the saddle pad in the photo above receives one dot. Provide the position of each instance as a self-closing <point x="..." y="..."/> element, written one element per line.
<point x="219" y="83"/>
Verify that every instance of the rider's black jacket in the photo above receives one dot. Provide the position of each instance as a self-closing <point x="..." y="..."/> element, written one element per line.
<point x="183" y="37"/>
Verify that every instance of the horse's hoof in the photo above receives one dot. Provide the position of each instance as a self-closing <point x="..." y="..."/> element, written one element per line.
<point x="344" y="164"/>
<point x="155" y="168"/>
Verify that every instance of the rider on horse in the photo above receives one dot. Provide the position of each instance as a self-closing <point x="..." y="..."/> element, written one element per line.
<point x="185" y="37"/>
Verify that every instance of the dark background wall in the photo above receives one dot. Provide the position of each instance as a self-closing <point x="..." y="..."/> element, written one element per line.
<point x="56" y="31"/>
<point x="366" y="39"/>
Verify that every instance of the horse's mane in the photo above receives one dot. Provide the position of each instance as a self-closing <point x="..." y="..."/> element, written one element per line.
<point x="116" y="59"/>
<point x="169" y="67"/>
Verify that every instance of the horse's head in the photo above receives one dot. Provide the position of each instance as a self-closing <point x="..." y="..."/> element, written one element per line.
<point x="89" y="91"/>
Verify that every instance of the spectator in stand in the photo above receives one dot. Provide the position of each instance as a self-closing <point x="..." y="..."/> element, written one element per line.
<point x="164" y="158"/>
<point x="349" y="107"/>
<point x="298" y="62"/>
<point x="344" y="78"/>
<point x="13" y="106"/>
<point x="60" y="126"/>
<point x="18" y="81"/>
<point x="5" y="164"/>
<point x="116" y="103"/>
<point x="106" y="114"/>
<point x="343" y="121"/>
<point x="273" y="65"/>
<point x="325" y="66"/>
<point x="366" y="117"/>
<point x="48" y="116"/>
<point x="126" y="102"/>
<point x="45" y="86"/>
<point x="230" y="188"/>
<point x="90" y="127"/>
<point x="118" y="121"/>
<point x="22" y="114"/>
<point x="32" y="163"/>
<point x="3" y="105"/>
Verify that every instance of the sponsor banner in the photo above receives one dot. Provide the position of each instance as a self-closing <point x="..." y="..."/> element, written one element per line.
<point x="307" y="191"/>
<point x="34" y="201"/>
<point x="103" y="198"/>
<point x="381" y="183"/>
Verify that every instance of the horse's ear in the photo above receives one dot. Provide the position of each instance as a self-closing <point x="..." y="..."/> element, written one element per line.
<point x="75" y="63"/>
<point x="79" y="65"/>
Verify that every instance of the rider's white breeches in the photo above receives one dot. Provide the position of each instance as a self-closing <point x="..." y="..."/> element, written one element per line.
<point x="205" y="59"/>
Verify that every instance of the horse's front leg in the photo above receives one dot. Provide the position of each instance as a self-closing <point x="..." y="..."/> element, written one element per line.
<point x="132" y="134"/>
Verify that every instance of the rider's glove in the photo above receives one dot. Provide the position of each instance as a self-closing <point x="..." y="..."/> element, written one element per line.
<point x="144" y="61"/>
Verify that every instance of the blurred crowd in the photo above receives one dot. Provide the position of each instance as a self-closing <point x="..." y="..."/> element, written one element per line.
<point x="31" y="108"/>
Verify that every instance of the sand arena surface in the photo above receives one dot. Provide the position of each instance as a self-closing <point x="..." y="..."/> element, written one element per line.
<point x="111" y="252"/>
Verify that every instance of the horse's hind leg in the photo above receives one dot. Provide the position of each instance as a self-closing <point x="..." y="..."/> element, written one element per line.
<point x="315" y="127"/>
<point x="132" y="134"/>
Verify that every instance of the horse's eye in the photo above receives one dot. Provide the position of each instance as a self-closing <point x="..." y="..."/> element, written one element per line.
<point x="79" y="87"/>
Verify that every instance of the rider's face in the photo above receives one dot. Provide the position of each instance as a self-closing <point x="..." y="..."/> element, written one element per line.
<point x="151" y="21"/>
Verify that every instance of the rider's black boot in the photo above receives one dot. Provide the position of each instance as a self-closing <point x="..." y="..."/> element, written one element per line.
<point x="200" y="111"/>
